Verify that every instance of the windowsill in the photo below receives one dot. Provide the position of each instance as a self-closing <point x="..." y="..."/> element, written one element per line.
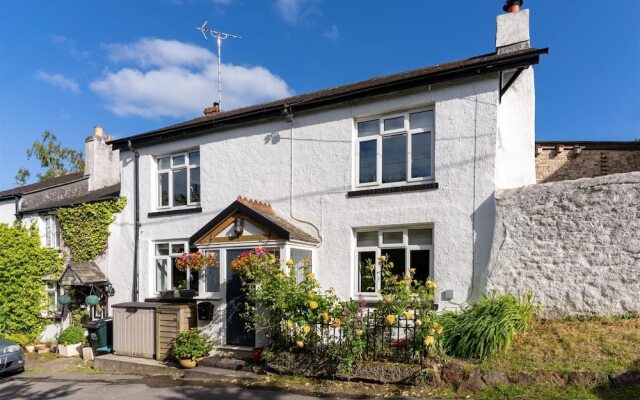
<point x="175" y="211"/>
<point x="393" y="189"/>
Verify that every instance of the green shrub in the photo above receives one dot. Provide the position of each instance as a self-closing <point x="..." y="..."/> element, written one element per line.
<point x="21" y="339"/>
<point x="191" y="345"/>
<point x="487" y="328"/>
<point x="23" y="264"/>
<point x="79" y="317"/>
<point x="72" y="335"/>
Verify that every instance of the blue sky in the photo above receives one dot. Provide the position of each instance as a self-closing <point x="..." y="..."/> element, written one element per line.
<point x="132" y="66"/>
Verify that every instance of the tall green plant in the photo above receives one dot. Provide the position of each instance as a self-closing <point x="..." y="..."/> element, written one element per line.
<point x="23" y="264"/>
<point x="488" y="327"/>
<point x="85" y="228"/>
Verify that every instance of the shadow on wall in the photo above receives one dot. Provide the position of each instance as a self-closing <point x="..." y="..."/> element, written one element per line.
<point x="483" y="220"/>
<point x="554" y="165"/>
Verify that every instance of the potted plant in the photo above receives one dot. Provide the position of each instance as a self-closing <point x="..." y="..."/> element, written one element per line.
<point x="189" y="347"/>
<point x="70" y="341"/>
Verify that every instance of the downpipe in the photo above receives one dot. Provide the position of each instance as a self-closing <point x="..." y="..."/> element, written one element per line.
<point x="136" y="233"/>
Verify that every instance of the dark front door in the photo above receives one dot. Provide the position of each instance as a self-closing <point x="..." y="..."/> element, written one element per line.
<point x="237" y="334"/>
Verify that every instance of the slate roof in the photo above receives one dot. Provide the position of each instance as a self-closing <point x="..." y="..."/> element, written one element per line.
<point x="65" y="196"/>
<point x="49" y="183"/>
<point x="488" y="63"/>
<point x="263" y="213"/>
<point x="82" y="274"/>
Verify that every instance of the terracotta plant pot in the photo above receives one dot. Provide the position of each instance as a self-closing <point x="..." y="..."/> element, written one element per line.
<point x="512" y="6"/>
<point x="257" y="354"/>
<point x="188" y="364"/>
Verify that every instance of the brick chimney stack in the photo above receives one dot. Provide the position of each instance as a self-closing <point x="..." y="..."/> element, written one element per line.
<point x="215" y="109"/>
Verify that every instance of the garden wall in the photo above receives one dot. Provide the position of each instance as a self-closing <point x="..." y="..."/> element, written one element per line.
<point x="575" y="244"/>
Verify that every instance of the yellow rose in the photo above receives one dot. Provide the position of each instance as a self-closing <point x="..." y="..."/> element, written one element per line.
<point x="382" y="258"/>
<point x="429" y="341"/>
<point x="317" y="284"/>
<point x="289" y="263"/>
<point x="306" y="329"/>
<point x="310" y="276"/>
<point x="325" y="317"/>
<point x="390" y="319"/>
<point x="408" y="314"/>
<point x="313" y="305"/>
<point x="432" y="331"/>
<point x="439" y="330"/>
<point x="431" y="285"/>
<point x="418" y="323"/>
<point x="386" y="299"/>
<point x="311" y="295"/>
<point x="300" y="343"/>
<point x="427" y="320"/>
<point x="289" y="324"/>
<point x="358" y="332"/>
<point x="336" y="322"/>
<point x="412" y="271"/>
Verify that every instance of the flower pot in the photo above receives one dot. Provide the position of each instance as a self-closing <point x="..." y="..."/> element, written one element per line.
<point x="30" y="348"/>
<point x="71" y="350"/>
<point x="512" y="6"/>
<point x="87" y="354"/>
<point x="257" y="354"/>
<point x="188" y="364"/>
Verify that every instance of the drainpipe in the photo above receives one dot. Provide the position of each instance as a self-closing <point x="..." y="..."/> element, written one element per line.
<point x="136" y="224"/>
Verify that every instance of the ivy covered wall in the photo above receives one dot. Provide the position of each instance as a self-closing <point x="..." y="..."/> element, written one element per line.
<point x="23" y="264"/>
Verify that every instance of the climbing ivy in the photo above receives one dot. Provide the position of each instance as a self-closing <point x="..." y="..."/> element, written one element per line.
<point x="85" y="228"/>
<point x="23" y="264"/>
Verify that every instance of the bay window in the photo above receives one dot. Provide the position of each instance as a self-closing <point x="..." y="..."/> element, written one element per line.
<point x="178" y="180"/>
<point x="395" y="148"/>
<point x="406" y="248"/>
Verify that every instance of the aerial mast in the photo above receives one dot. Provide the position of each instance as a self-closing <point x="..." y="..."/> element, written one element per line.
<point x="219" y="36"/>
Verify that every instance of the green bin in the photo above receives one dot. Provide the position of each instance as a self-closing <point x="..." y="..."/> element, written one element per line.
<point x="100" y="335"/>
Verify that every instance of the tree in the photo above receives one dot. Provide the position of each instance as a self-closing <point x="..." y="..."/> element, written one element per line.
<point x="54" y="159"/>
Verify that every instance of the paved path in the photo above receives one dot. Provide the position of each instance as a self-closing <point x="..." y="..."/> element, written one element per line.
<point x="101" y="387"/>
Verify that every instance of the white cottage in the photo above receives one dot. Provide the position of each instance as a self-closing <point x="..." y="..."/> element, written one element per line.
<point x="405" y="165"/>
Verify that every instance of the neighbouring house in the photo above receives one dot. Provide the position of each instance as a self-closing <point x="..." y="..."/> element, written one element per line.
<point x="559" y="161"/>
<point x="406" y="165"/>
<point x="37" y="204"/>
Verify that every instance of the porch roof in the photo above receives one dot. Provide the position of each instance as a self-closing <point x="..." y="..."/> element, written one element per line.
<point x="77" y="274"/>
<point x="263" y="214"/>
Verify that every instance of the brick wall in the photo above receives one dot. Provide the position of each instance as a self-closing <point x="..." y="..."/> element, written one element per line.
<point x="558" y="162"/>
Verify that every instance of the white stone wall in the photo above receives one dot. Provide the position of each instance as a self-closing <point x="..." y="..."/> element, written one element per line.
<point x="256" y="161"/>
<point x="574" y="244"/>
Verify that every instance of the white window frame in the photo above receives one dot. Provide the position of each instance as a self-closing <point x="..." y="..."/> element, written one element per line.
<point x="51" y="231"/>
<point x="169" y="258"/>
<point x="223" y="274"/>
<point x="188" y="166"/>
<point x="379" y="251"/>
<point x="55" y="292"/>
<point x="408" y="132"/>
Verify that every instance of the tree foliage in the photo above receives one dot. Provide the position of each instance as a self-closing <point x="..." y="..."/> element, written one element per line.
<point x="23" y="264"/>
<point x="55" y="159"/>
<point x="85" y="228"/>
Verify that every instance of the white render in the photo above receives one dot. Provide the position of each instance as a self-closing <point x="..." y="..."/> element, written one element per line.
<point x="309" y="182"/>
<point x="512" y="28"/>
<point x="7" y="211"/>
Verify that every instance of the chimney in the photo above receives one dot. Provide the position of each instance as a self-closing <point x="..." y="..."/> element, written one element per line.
<point x="101" y="163"/>
<point x="512" y="33"/>
<point x="215" y="109"/>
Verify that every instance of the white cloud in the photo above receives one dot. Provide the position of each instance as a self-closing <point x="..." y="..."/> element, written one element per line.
<point x="148" y="52"/>
<point x="58" y="80"/>
<point x="69" y="45"/>
<point x="332" y="34"/>
<point x="296" y="11"/>
<point x="171" y="78"/>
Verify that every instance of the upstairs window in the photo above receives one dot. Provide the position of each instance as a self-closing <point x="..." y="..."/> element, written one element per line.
<point x="51" y="232"/>
<point x="395" y="148"/>
<point x="178" y="180"/>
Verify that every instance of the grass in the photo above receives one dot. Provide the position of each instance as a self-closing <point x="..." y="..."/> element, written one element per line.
<point x="596" y="345"/>
<point x="549" y="391"/>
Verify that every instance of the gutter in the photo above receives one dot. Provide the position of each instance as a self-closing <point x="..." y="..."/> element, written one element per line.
<point x="136" y="224"/>
<point x="274" y="109"/>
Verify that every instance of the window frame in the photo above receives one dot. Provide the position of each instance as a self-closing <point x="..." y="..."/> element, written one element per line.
<point x="379" y="250"/>
<point x="169" y="258"/>
<point x="222" y="277"/>
<point x="56" y="293"/>
<point x="188" y="166"/>
<point x="51" y="235"/>
<point x="382" y="133"/>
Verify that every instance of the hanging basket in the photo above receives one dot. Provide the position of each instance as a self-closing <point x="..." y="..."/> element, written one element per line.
<point x="64" y="299"/>
<point x="91" y="300"/>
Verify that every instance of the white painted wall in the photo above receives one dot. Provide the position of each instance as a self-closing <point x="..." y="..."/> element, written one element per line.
<point x="7" y="211"/>
<point x="248" y="161"/>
